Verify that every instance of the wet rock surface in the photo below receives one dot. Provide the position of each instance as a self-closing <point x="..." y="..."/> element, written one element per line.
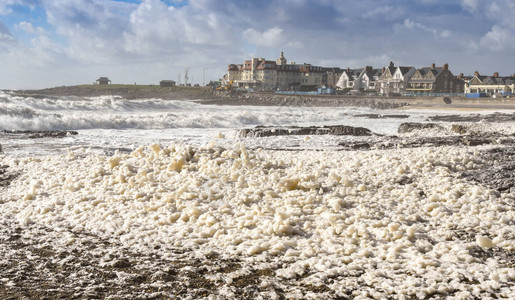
<point x="35" y="265"/>
<point x="416" y="142"/>
<point x="36" y="134"/>
<point x="495" y="117"/>
<point x="381" y="116"/>
<point x="499" y="173"/>
<point x="5" y="176"/>
<point x="411" y="126"/>
<point x="264" y="131"/>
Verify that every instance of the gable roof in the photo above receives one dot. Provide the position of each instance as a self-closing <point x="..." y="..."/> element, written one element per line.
<point x="405" y="70"/>
<point x="352" y="73"/>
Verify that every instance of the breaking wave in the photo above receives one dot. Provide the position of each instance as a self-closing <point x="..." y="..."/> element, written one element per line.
<point x="113" y="112"/>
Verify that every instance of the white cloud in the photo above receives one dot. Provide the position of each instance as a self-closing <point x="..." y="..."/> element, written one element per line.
<point x="445" y="33"/>
<point x="499" y="38"/>
<point x="470" y="5"/>
<point x="414" y="25"/>
<point x="29" y="28"/>
<point x="411" y="25"/>
<point x="269" y="38"/>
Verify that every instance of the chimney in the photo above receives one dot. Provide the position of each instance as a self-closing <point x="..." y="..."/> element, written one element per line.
<point x="496" y="74"/>
<point x="460" y="76"/>
<point x="391" y="64"/>
<point x="433" y="65"/>
<point x="476" y="74"/>
<point x="348" y="70"/>
<point x="384" y="69"/>
<point x="446" y="66"/>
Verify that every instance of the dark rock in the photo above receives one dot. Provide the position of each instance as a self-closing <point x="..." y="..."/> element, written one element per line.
<point x="31" y="134"/>
<point x="410" y="126"/>
<point x="495" y="117"/>
<point x="447" y="100"/>
<point x="358" y="146"/>
<point x="378" y="116"/>
<point x="121" y="263"/>
<point x="5" y="177"/>
<point x="264" y="131"/>
<point x="461" y="129"/>
<point x="498" y="172"/>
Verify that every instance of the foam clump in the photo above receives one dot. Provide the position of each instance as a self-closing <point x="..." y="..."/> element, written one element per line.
<point x="329" y="212"/>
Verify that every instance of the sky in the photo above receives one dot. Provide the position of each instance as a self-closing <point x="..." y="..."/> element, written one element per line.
<point x="47" y="43"/>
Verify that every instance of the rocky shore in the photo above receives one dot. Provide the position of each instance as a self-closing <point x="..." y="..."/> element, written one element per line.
<point x="41" y="261"/>
<point x="208" y="96"/>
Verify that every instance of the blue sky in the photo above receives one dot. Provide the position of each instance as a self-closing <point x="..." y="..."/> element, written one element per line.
<point x="45" y="43"/>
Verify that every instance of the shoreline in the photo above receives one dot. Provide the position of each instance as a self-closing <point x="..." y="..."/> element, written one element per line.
<point x="208" y="97"/>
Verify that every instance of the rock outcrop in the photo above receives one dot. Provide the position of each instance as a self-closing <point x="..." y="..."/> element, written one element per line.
<point x="264" y="131"/>
<point x="33" y="134"/>
<point x="410" y="127"/>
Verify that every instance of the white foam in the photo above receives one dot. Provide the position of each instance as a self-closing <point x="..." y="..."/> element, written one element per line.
<point x="330" y="212"/>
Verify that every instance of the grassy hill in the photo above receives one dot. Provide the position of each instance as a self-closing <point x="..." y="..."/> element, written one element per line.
<point x="125" y="90"/>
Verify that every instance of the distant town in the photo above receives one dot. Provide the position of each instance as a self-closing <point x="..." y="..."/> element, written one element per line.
<point x="279" y="76"/>
<point x="391" y="80"/>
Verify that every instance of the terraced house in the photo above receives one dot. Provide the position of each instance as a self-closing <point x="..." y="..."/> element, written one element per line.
<point x="491" y="85"/>
<point x="434" y="80"/>
<point x="394" y="80"/>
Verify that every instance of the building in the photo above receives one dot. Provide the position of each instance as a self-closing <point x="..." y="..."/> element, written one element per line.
<point x="367" y="80"/>
<point x="348" y="77"/>
<point x="259" y="73"/>
<point x="491" y="85"/>
<point x="357" y="80"/>
<point x="167" y="83"/>
<point x="433" y="80"/>
<point x="330" y="76"/>
<point x="394" y="80"/>
<point x="103" y="80"/>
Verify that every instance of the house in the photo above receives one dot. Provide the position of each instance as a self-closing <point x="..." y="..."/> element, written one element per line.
<point x="103" y="80"/>
<point x="491" y="85"/>
<point x="166" y="83"/>
<point x="330" y="76"/>
<point x="348" y="77"/>
<point x="430" y="80"/>
<point x="367" y="80"/>
<point x="394" y="79"/>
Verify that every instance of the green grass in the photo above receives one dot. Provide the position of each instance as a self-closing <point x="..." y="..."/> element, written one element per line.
<point x="129" y="91"/>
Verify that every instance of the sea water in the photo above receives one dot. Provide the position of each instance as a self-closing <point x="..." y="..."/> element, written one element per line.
<point x="109" y="123"/>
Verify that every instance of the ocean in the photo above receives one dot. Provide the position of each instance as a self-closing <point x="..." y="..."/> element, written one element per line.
<point x="109" y="123"/>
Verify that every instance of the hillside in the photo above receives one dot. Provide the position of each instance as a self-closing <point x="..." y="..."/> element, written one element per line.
<point x="126" y="91"/>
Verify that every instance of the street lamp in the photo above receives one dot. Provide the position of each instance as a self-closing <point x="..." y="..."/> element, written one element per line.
<point x="204" y="78"/>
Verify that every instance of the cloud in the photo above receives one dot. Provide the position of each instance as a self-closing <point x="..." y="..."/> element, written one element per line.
<point x="499" y="38"/>
<point x="6" y="37"/>
<point x="414" y="26"/>
<point x="470" y="5"/>
<point x="6" y="6"/>
<point x="269" y="38"/>
<point x="149" y="39"/>
<point x="29" y="28"/>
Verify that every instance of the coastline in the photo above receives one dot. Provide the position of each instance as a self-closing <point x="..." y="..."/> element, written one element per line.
<point x="209" y="97"/>
<point x="232" y="219"/>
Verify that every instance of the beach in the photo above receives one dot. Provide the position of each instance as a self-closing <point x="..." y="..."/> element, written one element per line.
<point x="257" y="197"/>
